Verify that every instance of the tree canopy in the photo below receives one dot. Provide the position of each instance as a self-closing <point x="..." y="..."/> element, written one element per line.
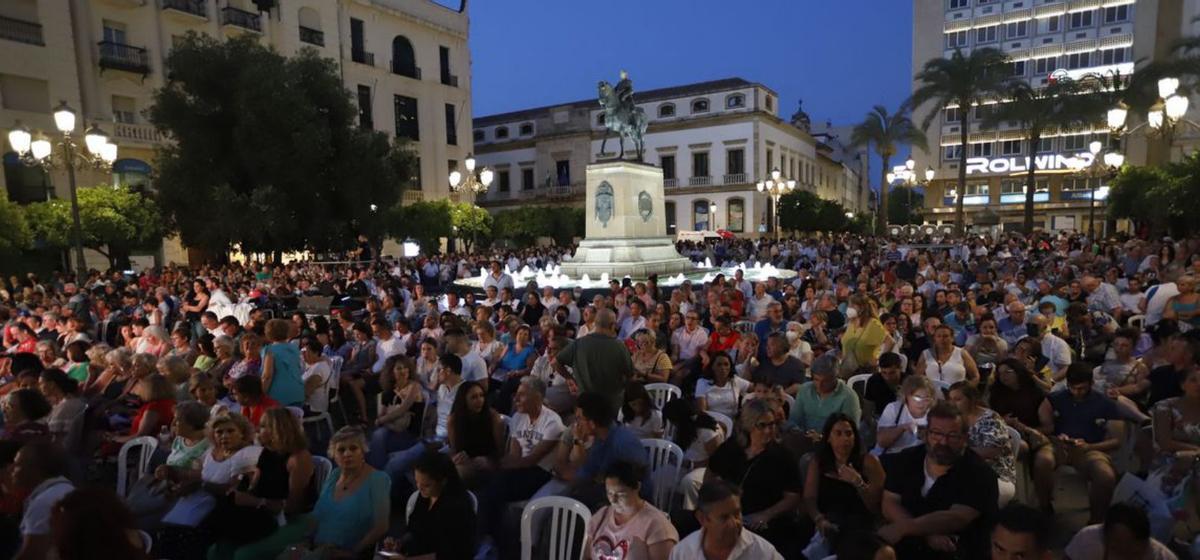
<point x="887" y="131"/>
<point x="16" y="234"/>
<point x="904" y="207"/>
<point x="115" y="220"/>
<point x="804" y="211"/>
<point x="266" y="153"/>
<point x="1165" y="198"/>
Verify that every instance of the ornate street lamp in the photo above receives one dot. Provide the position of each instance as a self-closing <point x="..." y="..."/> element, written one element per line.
<point x="1102" y="167"/>
<point x="37" y="151"/>
<point x="1168" y="111"/>
<point x="907" y="176"/>
<point x="471" y="182"/>
<point x="776" y="187"/>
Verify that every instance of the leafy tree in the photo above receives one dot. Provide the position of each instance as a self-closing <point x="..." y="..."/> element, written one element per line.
<point x="115" y="220"/>
<point x="265" y="151"/>
<point x="963" y="80"/>
<point x="805" y="211"/>
<point x="522" y="226"/>
<point x="425" y="222"/>
<point x="905" y="206"/>
<point x="1136" y="195"/>
<point x="470" y="223"/>
<point x="15" y="235"/>
<point x="885" y="131"/>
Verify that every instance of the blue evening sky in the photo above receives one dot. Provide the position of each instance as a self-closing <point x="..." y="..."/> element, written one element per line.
<point x="840" y="57"/>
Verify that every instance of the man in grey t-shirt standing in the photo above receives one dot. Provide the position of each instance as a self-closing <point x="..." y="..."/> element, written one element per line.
<point x="600" y="363"/>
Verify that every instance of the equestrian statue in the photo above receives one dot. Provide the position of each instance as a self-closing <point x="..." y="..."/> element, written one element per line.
<point x="622" y="116"/>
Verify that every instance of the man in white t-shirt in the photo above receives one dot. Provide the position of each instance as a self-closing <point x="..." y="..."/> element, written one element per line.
<point x="1125" y="533"/>
<point x="387" y="344"/>
<point x="1055" y="349"/>
<point x="39" y="468"/>
<point x="473" y="366"/>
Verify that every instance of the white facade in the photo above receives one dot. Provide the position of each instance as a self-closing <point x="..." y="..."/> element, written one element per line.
<point x="714" y="141"/>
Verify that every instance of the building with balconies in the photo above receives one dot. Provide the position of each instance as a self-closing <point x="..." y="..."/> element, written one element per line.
<point x="1045" y="40"/>
<point x="106" y="58"/>
<point x="713" y="140"/>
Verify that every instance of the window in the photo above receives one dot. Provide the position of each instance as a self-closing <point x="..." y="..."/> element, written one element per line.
<point x="114" y="32"/>
<point x="404" y="59"/>
<point x="981" y="149"/>
<point x="735" y="162"/>
<point x="700" y="106"/>
<point x="983" y="111"/>
<point x="989" y="34"/>
<point x="365" y="118"/>
<point x="735" y="101"/>
<point x="770" y="103"/>
<point x="478" y="135"/>
<point x="976" y="189"/>
<point x="668" y="166"/>
<point x="406" y="119"/>
<point x="310" y="27"/>
<point x="735" y="219"/>
<point x="526" y="129"/>
<point x="700" y="219"/>
<point x="956" y="39"/>
<point x="958" y="4"/>
<point x="600" y="119"/>
<point x="1114" y="14"/>
<point x="1116" y="56"/>
<point x="666" y="110"/>
<point x="1018" y="68"/>
<point x="1016" y="29"/>
<point x="700" y="164"/>
<point x="526" y="178"/>
<point x="669" y="210"/>
<point x="414" y="179"/>
<point x="1080" y="184"/>
<point x="1012" y="147"/>
<point x="1053" y="24"/>
<point x="124" y="109"/>
<point x="451" y="126"/>
<point x="770" y="160"/>
<point x="562" y="169"/>
<point x="502" y="178"/>
<point x="1081" y="19"/>
<point x="952" y="153"/>
<point x="1045" y="145"/>
<point x="1074" y="142"/>
<point x="357" y="42"/>
<point x="1012" y="186"/>
<point x="952" y="115"/>
<point x="1045" y="65"/>
<point x="501" y="132"/>
<point x="1079" y="60"/>
<point x="444" y="60"/>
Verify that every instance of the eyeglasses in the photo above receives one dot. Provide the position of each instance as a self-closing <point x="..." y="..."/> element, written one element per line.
<point x="948" y="436"/>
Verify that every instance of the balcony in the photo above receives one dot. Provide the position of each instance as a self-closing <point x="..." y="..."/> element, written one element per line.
<point x="142" y="133"/>
<point x="699" y="181"/>
<point x="362" y="57"/>
<point x="241" y="18"/>
<point x="119" y="56"/>
<point x="449" y="79"/>
<point x="312" y="36"/>
<point x="198" y="8"/>
<point x="401" y="69"/>
<point x="561" y="191"/>
<point x="734" y="178"/>
<point x="670" y="183"/>
<point x="411" y="196"/>
<point x="21" y="31"/>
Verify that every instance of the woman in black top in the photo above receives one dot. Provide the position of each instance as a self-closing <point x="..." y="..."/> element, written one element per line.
<point x="442" y="522"/>
<point x="844" y="484"/>
<point x="531" y="310"/>
<point x="475" y="433"/>
<point x="767" y="473"/>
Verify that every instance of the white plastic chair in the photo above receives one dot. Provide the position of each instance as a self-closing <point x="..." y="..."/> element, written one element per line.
<point x="660" y="393"/>
<point x="322" y="468"/>
<point x="666" y="468"/>
<point x="725" y="422"/>
<point x="567" y="517"/>
<point x="1137" y="321"/>
<point x="144" y="446"/>
<point x="325" y="417"/>
<point x="856" y="380"/>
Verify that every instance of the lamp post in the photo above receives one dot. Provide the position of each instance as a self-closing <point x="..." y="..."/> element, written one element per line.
<point x="1168" y="111"/>
<point x="100" y="154"/>
<point x="776" y="187"/>
<point x="907" y="176"/>
<point x="1101" y="166"/>
<point x="712" y="215"/>
<point x="476" y="183"/>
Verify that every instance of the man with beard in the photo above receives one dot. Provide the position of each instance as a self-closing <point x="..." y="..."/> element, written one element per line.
<point x="939" y="497"/>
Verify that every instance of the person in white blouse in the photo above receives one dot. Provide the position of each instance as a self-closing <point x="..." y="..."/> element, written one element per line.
<point x="723" y="391"/>
<point x="903" y="420"/>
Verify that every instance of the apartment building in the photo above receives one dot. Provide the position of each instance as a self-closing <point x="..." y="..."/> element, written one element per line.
<point x="1046" y="40"/>
<point x="714" y="140"/>
<point x="406" y="63"/>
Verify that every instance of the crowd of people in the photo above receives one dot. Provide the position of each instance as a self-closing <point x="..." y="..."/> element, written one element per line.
<point x="913" y="399"/>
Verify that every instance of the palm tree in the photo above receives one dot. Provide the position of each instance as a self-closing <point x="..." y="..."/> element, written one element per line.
<point x="962" y="80"/>
<point x="886" y="131"/>
<point x="1062" y="105"/>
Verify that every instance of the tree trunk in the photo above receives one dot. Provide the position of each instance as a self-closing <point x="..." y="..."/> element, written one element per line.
<point x="1035" y="138"/>
<point x="884" y="187"/>
<point x="964" y="123"/>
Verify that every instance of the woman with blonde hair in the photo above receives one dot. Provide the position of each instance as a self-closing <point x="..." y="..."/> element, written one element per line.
<point x="863" y="337"/>
<point x="354" y="507"/>
<point x="902" y="421"/>
<point x="282" y="375"/>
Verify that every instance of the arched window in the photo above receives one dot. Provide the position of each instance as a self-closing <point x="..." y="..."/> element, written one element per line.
<point x="666" y="110"/>
<point x="501" y="132"/>
<point x="700" y="106"/>
<point x="600" y="118"/>
<point x="735" y="219"/>
<point x="735" y="101"/>
<point x="404" y="59"/>
<point x="526" y="129"/>
<point x="700" y="215"/>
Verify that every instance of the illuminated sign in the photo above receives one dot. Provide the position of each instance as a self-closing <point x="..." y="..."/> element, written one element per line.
<point x="1049" y="162"/>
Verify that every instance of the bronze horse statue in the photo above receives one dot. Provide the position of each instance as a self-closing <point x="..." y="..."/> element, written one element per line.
<point x="622" y="116"/>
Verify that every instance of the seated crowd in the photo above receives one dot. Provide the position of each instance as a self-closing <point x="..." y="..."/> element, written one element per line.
<point x="885" y="402"/>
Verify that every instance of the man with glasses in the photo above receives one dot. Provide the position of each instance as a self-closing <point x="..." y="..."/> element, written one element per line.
<point x="773" y="323"/>
<point x="940" y="496"/>
<point x="686" y="343"/>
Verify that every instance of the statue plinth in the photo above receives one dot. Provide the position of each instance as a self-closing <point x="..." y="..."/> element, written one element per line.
<point x="626" y="227"/>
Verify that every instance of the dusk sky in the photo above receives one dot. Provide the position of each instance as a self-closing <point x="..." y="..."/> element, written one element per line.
<point x="840" y="57"/>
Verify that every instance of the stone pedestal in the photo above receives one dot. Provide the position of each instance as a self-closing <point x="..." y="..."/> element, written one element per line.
<point x="626" y="228"/>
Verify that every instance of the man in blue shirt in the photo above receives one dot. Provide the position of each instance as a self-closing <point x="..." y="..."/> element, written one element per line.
<point x="771" y="324"/>
<point x="595" y="419"/>
<point x="1012" y="328"/>
<point x="961" y="321"/>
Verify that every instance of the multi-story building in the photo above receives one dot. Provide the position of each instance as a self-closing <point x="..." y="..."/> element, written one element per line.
<point x="1045" y="39"/>
<point x="714" y="141"/>
<point x="406" y="63"/>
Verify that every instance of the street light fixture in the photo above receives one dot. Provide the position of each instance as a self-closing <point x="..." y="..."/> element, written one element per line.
<point x="907" y="176"/>
<point x="1169" y="110"/>
<point x="476" y="183"/>
<point x="1101" y="166"/>
<point x="776" y="187"/>
<point x="36" y="151"/>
